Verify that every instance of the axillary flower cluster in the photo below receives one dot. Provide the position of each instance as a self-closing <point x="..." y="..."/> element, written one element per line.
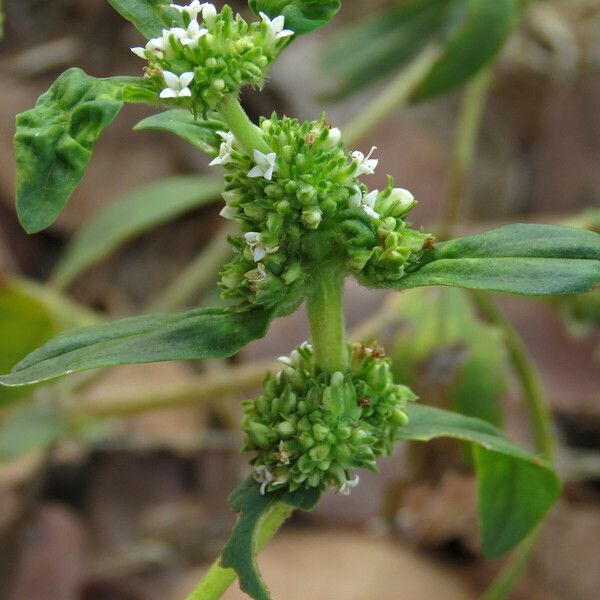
<point x="199" y="62"/>
<point x="303" y="203"/>
<point x="312" y="429"/>
<point x="303" y="209"/>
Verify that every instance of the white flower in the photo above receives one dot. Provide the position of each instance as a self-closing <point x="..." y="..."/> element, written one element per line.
<point x="263" y="476"/>
<point x="225" y="150"/>
<point x="368" y="204"/>
<point x="196" y="7"/>
<point x="177" y="85"/>
<point x="209" y="12"/>
<point x="286" y="360"/>
<point x="190" y="36"/>
<point x="356" y="198"/>
<point x="154" y="46"/>
<point x="347" y="486"/>
<point x="365" y="164"/>
<point x="259" y="250"/>
<point x="257" y="275"/>
<point x="229" y="212"/>
<point x="193" y="9"/>
<point x="334" y="137"/>
<point x="265" y="165"/>
<point x="275" y="27"/>
<point x="403" y="198"/>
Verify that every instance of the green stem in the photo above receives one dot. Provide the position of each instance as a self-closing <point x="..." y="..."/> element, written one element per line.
<point x="197" y="276"/>
<point x="538" y="409"/>
<point x="540" y="421"/>
<point x="398" y="92"/>
<point x="465" y="142"/>
<point x="505" y="582"/>
<point x="325" y="306"/>
<point x="217" y="579"/>
<point x="246" y="133"/>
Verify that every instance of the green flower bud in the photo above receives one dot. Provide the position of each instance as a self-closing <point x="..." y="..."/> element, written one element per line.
<point x="312" y="217"/>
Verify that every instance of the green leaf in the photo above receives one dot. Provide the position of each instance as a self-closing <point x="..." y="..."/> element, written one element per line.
<point x="30" y="428"/>
<point x="240" y="552"/>
<point x="148" y="16"/>
<point x="54" y="142"/>
<point x="25" y="324"/>
<point x="301" y="16"/>
<point x="197" y="334"/>
<point x="30" y="314"/>
<point x="381" y="45"/>
<point x="516" y="489"/>
<point x="141" y="211"/>
<point x="472" y="44"/>
<point x="199" y="132"/>
<point x="535" y="260"/>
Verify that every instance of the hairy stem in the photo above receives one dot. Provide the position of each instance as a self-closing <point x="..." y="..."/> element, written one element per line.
<point x="246" y="133"/>
<point x="217" y="579"/>
<point x="325" y="306"/>
<point x="398" y="92"/>
<point x="465" y="142"/>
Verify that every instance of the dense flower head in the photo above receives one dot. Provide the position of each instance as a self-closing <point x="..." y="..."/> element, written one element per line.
<point x="306" y="186"/>
<point x="313" y="429"/>
<point x="207" y="55"/>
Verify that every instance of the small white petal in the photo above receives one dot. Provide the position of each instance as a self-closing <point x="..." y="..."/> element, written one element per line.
<point x="186" y="79"/>
<point x="370" y="199"/>
<point x="141" y="52"/>
<point x="185" y="93"/>
<point x="278" y="23"/>
<point x="259" y="253"/>
<point x="252" y="237"/>
<point x="255" y="172"/>
<point x="168" y="93"/>
<point x="229" y="212"/>
<point x="171" y="79"/>
<point x="370" y="212"/>
<point x="355" y="200"/>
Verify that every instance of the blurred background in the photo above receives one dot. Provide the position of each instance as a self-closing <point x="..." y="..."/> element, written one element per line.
<point x="105" y="497"/>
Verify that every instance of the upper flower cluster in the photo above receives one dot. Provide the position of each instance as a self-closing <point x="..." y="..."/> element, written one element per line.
<point x="304" y="192"/>
<point x="207" y="54"/>
<point x="312" y="429"/>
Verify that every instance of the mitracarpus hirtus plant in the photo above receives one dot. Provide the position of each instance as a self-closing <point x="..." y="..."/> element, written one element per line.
<point x="307" y="220"/>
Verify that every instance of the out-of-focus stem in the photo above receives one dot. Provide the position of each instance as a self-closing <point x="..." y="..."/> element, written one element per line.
<point x="538" y="409"/>
<point x="197" y="276"/>
<point x="398" y="92"/>
<point x="505" y="582"/>
<point x="204" y="388"/>
<point x="465" y="142"/>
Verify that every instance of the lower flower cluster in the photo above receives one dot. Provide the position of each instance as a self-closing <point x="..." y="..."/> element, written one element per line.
<point x="312" y="428"/>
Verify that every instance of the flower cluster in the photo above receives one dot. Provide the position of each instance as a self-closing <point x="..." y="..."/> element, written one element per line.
<point x="208" y="54"/>
<point x="308" y="188"/>
<point x="313" y="429"/>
